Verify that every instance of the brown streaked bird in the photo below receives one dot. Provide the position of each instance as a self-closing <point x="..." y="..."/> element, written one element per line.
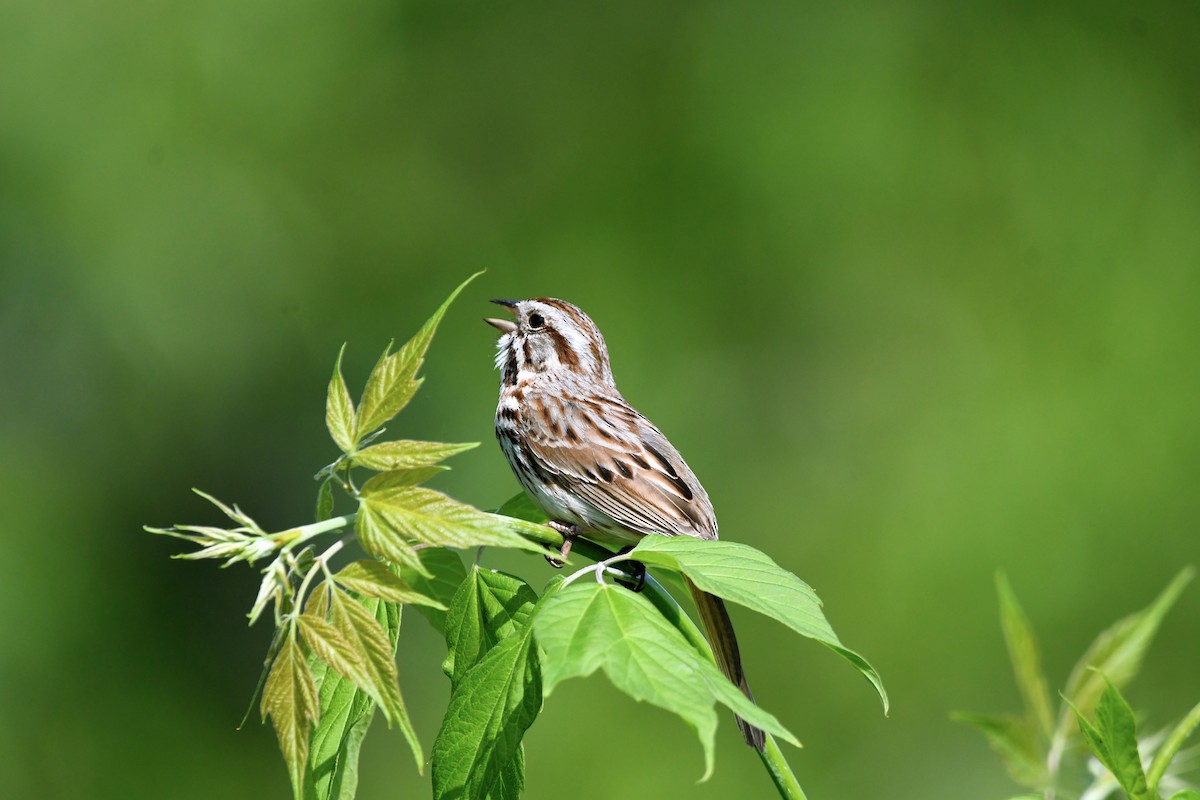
<point x="595" y="465"/>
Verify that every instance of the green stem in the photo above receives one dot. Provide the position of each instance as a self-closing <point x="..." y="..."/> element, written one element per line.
<point x="1158" y="767"/>
<point x="780" y="772"/>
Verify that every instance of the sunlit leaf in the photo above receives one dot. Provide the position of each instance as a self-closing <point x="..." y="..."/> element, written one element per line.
<point x="373" y="579"/>
<point x="404" y="514"/>
<point x="394" y="380"/>
<point x="749" y="577"/>
<point x="1016" y="742"/>
<point x="339" y="409"/>
<point x="589" y="626"/>
<point x="346" y="713"/>
<point x="356" y="645"/>
<point x="290" y="697"/>
<point x="405" y="454"/>
<point x="1026" y="661"/>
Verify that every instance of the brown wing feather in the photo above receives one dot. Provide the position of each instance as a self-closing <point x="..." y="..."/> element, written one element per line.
<point x="625" y="467"/>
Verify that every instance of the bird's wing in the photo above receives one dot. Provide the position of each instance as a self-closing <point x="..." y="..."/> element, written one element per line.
<point x="612" y="457"/>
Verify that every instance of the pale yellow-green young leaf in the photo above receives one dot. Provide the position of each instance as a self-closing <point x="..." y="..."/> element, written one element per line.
<point x="362" y="630"/>
<point x="373" y="579"/>
<point x="384" y="482"/>
<point x="290" y="697"/>
<point x="1025" y="657"/>
<point x="317" y="604"/>
<point x="356" y="646"/>
<point x="407" y="513"/>
<point x="405" y="454"/>
<point x="394" y="380"/>
<point x="381" y="539"/>
<point x="339" y="409"/>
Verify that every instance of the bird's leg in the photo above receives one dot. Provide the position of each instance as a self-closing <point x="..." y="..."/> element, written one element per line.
<point x="569" y="533"/>
<point x="635" y="577"/>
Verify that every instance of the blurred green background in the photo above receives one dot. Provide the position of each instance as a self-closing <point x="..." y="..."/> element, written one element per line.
<point x="914" y="286"/>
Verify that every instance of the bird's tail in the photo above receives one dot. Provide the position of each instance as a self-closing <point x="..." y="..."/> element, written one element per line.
<point x="719" y="629"/>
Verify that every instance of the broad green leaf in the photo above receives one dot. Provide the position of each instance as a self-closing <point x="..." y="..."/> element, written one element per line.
<point x="356" y="646"/>
<point x="398" y="515"/>
<point x="394" y="380"/>
<point x="490" y="710"/>
<point x="325" y="500"/>
<point x="1016" y="742"/>
<point x="490" y="607"/>
<point x="1112" y="738"/>
<point x="1116" y="655"/>
<point x="749" y="577"/>
<point x="346" y="713"/>
<point x="290" y="697"/>
<point x="511" y="782"/>
<point x="445" y="574"/>
<point x="589" y="626"/>
<point x="373" y="579"/>
<point x="1186" y="794"/>
<point x="487" y="608"/>
<point x="405" y="454"/>
<point x="521" y="506"/>
<point x="1026" y="661"/>
<point x="339" y="409"/>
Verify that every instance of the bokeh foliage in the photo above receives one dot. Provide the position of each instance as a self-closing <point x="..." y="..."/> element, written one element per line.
<point x="913" y="286"/>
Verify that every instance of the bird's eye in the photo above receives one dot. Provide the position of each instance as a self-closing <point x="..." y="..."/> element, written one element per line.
<point x="536" y="322"/>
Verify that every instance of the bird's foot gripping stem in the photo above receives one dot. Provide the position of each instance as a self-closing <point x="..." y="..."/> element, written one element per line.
<point x="569" y="533"/>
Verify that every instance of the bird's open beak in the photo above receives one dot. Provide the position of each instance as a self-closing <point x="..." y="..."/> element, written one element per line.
<point x="504" y="325"/>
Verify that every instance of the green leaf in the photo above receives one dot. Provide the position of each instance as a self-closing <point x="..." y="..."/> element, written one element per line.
<point x="346" y="713"/>
<point x="589" y="626"/>
<point x="1186" y="794"/>
<point x="325" y="500"/>
<point x="490" y="710"/>
<point x="1016" y="742"/>
<point x="510" y="784"/>
<point x="290" y="697"/>
<point x="487" y="608"/>
<point x="445" y="574"/>
<point x="1112" y="738"/>
<point x="1116" y="655"/>
<point x="521" y="506"/>
<point x="405" y="454"/>
<point x="373" y="579"/>
<point x="392" y="516"/>
<point x="749" y="577"/>
<point x="339" y="409"/>
<point x="355" y="645"/>
<point x="394" y="380"/>
<point x="1026" y="661"/>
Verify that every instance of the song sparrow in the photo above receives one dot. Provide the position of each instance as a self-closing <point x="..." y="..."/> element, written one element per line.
<point x="594" y="464"/>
